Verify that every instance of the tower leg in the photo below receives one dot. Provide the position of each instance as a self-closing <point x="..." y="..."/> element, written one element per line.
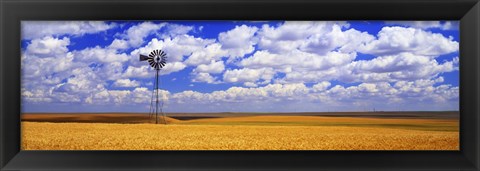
<point x="161" y="105"/>
<point x="163" y="113"/>
<point x="150" y="111"/>
<point x="156" y="101"/>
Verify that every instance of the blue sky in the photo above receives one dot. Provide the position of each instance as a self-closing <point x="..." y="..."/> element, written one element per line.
<point x="241" y="66"/>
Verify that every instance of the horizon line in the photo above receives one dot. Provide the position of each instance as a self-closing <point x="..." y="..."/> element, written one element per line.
<point x="256" y="112"/>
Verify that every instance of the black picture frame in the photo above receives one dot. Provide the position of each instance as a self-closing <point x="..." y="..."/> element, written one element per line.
<point x="13" y="11"/>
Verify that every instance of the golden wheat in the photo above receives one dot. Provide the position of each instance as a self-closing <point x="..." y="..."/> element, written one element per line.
<point x="106" y="136"/>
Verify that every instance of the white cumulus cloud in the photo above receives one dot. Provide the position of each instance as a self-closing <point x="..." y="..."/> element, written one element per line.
<point x="248" y="75"/>
<point x="238" y="41"/>
<point x="394" y="40"/>
<point x="48" y="47"/>
<point x="204" y="77"/>
<point x="135" y="35"/>
<point x="40" y="29"/>
<point x="446" y="25"/>
<point x="214" y="67"/>
<point x="126" y="83"/>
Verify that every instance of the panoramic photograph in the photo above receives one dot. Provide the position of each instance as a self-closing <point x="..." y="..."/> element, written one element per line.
<point x="240" y="85"/>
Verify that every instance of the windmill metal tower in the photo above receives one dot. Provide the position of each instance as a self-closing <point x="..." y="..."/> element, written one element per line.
<point x="157" y="60"/>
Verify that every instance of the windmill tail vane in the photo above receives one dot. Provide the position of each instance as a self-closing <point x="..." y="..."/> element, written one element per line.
<point x="157" y="60"/>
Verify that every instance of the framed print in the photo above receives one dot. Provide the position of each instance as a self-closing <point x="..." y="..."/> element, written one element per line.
<point x="240" y="85"/>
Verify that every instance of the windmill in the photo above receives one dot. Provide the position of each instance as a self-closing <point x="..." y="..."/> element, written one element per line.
<point x="157" y="60"/>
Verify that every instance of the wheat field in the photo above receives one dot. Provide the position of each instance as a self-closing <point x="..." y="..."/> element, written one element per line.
<point x="247" y="133"/>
